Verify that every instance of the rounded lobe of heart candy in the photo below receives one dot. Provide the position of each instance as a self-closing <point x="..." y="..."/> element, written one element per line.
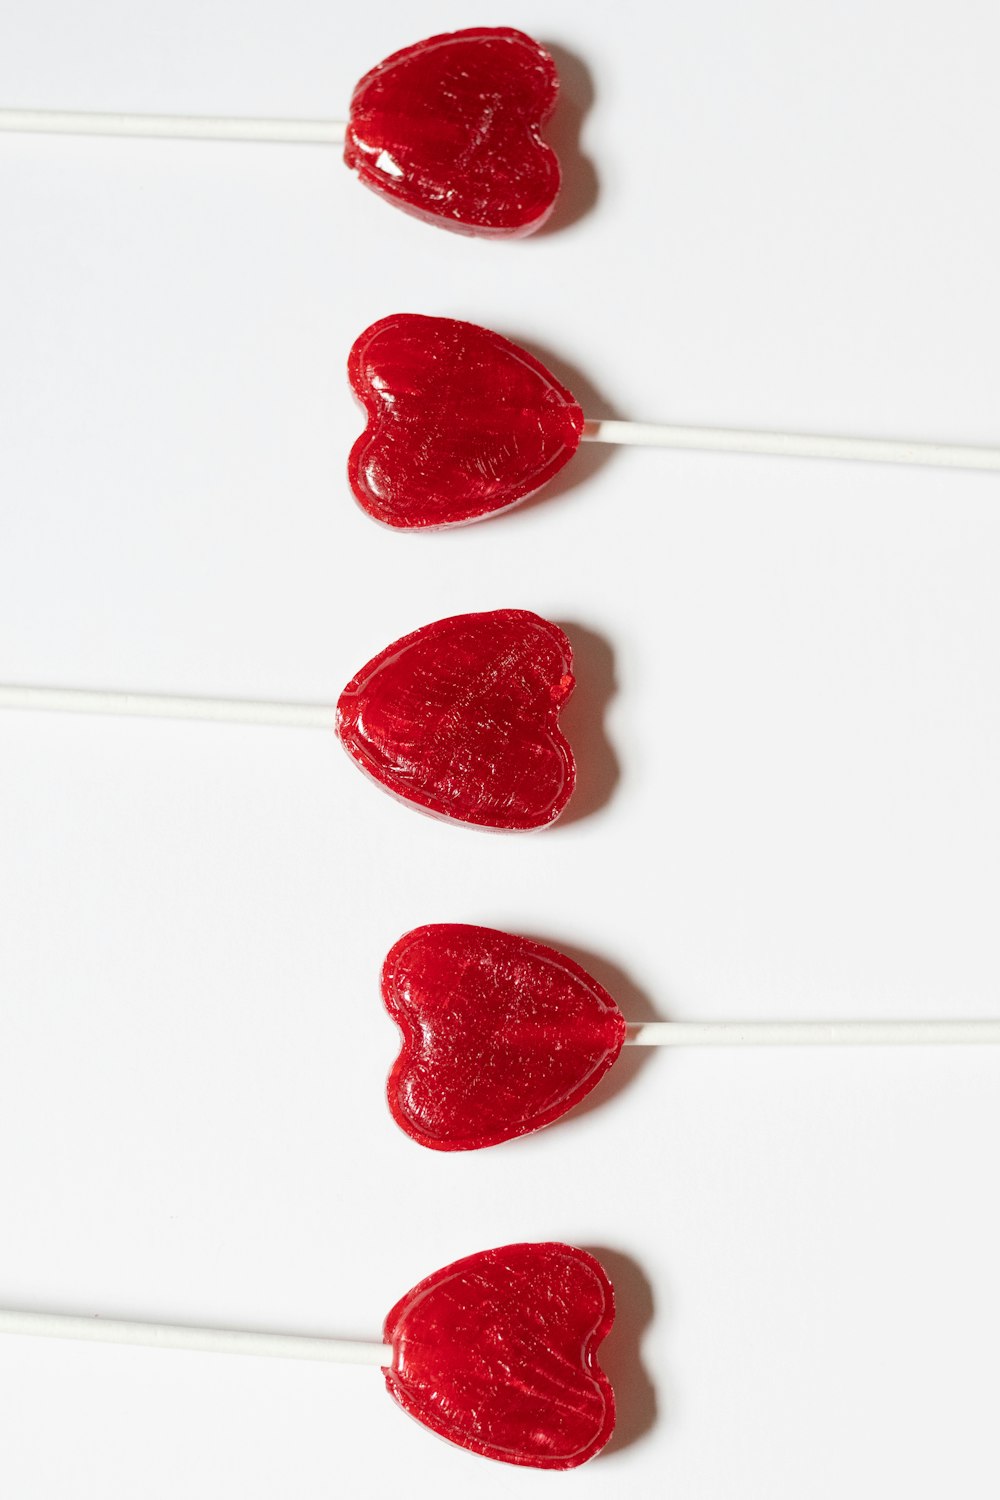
<point x="460" y="718"/>
<point x="461" y="422"/>
<point x="498" y="1354"/>
<point x="501" y="1035"/>
<point x="449" y="130"/>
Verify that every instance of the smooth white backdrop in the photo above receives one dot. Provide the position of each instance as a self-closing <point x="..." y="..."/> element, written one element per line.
<point x="787" y="717"/>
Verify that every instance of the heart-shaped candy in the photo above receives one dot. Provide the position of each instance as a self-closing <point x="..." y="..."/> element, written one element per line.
<point x="461" y="422"/>
<point x="498" y="1353"/>
<point x="461" y="718"/>
<point x="501" y="1035"/>
<point x="449" y="130"/>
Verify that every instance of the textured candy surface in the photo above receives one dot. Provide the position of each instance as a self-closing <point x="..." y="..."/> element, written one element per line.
<point x="498" y="1353"/>
<point x="461" y="718"/>
<point x="461" y="422"/>
<point x="501" y="1035"/>
<point x="449" y="130"/>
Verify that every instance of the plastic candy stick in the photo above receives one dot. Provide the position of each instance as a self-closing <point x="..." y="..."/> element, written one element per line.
<point x="448" y="129"/>
<point x="459" y="719"/>
<point x="462" y="423"/>
<point x="496" y="1352"/>
<point x="503" y="1035"/>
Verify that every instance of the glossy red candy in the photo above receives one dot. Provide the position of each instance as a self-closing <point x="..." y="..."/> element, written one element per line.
<point x="461" y="718"/>
<point x="498" y="1353"/>
<point x="449" y="130"/>
<point x="501" y="1035"/>
<point x="461" y="422"/>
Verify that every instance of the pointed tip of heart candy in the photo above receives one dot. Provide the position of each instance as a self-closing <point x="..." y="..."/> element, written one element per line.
<point x="501" y="1035"/>
<point x="460" y="719"/>
<point x="461" y="422"/>
<point x="498" y="1353"/>
<point x="449" y="129"/>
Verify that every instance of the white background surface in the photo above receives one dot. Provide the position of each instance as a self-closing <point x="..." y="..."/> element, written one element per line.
<point x="781" y="215"/>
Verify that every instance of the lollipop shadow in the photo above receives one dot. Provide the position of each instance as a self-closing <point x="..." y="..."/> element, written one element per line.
<point x="579" y="185"/>
<point x="634" y="1004"/>
<point x="620" y="1357"/>
<point x="582" y="722"/>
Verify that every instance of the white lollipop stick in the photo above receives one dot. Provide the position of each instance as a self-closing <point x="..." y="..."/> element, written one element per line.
<point x="163" y="706"/>
<point x="208" y="1340"/>
<point x="809" y="1033"/>
<point x="791" y="445"/>
<point x="172" y="127"/>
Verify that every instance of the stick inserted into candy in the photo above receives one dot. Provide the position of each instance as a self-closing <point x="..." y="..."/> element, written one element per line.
<point x="462" y="423"/>
<point x="459" y="718"/>
<point x="503" y="1035"/>
<point x="497" y="1352"/>
<point x="448" y="129"/>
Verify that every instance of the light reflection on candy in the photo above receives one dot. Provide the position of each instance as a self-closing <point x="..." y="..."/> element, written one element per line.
<point x="450" y="131"/>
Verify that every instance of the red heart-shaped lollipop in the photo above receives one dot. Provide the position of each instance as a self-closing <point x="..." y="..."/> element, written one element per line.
<point x="461" y="718"/>
<point x="498" y="1353"/>
<point x="501" y="1035"/>
<point x="449" y="130"/>
<point x="461" y="422"/>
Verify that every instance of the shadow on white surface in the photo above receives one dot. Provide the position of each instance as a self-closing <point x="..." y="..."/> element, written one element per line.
<point x="620" y="1356"/>
<point x="579" y="190"/>
<point x="582" y="722"/>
